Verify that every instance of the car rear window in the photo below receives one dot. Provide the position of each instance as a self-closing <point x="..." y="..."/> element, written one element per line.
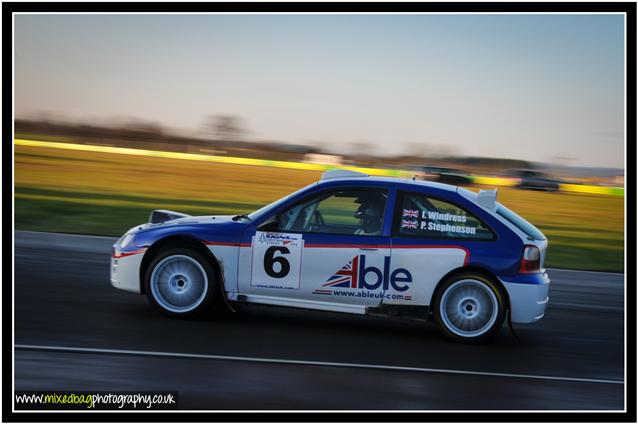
<point x="418" y="215"/>
<point x="519" y="222"/>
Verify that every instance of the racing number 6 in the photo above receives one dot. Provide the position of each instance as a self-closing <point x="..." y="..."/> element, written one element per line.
<point x="270" y="260"/>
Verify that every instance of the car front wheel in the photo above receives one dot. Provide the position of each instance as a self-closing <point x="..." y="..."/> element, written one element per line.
<point x="469" y="307"/>
<point x="181" y="283"/>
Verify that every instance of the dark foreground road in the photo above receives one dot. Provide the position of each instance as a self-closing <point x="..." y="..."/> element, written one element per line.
<point x="271" y="358"/>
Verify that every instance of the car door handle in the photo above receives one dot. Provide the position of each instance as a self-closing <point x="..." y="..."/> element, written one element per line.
<point x="369" y="249"/>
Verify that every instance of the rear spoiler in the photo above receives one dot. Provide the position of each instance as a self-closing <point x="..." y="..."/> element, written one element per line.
<point x="160" y="215"/>
<point x="487" y="199"/>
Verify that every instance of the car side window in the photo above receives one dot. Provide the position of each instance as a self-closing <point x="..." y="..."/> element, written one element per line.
<point x="355" y="212"/>
<point x="420" y="216"/>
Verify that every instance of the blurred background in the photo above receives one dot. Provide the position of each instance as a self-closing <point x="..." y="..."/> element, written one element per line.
<point x="531" y="104"/>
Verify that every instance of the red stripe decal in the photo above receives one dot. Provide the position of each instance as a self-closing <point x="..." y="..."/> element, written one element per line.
<point x="435" y="246"/>
<point x="125" y="254"/>
<point x="226" y="243"/>
<point x="352" y="246"/>
<point x="396" y="246"/>
<point x="347" y="246"/>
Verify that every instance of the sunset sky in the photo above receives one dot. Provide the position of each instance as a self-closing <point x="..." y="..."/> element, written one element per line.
<point x="544" y="88"/>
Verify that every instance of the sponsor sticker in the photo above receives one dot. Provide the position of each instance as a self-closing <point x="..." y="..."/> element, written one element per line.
<point x="358" y="279"/>
<point x="276" y="260"/>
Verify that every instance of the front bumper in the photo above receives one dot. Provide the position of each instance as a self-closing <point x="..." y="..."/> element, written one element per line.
<point x="125" y="271"/>
<point x="529" y="295"/>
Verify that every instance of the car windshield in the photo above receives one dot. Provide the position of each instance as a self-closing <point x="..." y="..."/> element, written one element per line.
<point x="264" y="211"/>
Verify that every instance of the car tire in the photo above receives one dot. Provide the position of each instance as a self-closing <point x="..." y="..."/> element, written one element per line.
<point x="469" y="307"/>
<point x="182" y="283"/>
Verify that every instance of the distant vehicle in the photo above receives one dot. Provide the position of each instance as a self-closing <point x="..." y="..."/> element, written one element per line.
<point x="323" y="159"/>
<point x="444" y="175"/>
<point x="532" y="179"/>
<point x="348" y="243"/>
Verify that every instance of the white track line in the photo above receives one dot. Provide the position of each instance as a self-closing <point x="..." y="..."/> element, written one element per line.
<point x="586" y="307"/>
<point x="301" y="362"/>
<point x="61" y="235"/>
<point x="583" y="271"/>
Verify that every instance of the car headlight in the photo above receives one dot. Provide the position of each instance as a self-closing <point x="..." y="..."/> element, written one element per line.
<point x="126" y="240"/>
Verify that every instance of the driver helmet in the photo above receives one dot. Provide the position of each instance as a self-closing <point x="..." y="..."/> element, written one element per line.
<point x="370" y="211"/>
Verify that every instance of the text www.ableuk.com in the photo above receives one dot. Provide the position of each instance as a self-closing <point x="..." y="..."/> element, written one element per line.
<point x="367" y="294"/>
<point x="95" y="400"/>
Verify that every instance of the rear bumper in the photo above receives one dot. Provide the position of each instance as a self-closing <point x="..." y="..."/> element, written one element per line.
<point x="528" y="295"/>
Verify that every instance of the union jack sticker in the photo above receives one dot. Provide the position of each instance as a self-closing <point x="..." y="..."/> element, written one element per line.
<point x="409" y="224"/>
<point x="409" y="213"/>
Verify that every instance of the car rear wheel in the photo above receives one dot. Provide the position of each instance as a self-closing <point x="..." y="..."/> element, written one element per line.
<point x="181" y="283"/>
<point x="469" y="307"/>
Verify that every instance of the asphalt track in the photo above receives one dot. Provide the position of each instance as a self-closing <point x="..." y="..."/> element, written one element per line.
<point x="74" y="332"/>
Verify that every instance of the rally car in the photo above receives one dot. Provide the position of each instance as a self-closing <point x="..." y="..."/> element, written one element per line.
<point x="348" y="243"/>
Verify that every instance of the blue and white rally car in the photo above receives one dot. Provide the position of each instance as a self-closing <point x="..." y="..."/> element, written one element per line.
<point x="348" y="243"/>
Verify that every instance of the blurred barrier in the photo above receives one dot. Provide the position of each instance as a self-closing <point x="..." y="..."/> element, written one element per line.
<point x="477" y="179"/>
<point x="497" y="181"/>
<point x="577" y="188"/>
<point x="211" y="158"/>
<point x="567" y="188"/>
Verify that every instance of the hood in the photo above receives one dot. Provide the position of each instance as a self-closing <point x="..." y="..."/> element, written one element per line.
<point x="203" y="219"/>
<point x="187" y="220"/>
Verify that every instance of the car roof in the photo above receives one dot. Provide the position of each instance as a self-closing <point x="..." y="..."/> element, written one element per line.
<point x="340" y="177"/>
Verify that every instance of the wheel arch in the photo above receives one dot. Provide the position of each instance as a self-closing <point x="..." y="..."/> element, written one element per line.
<point x="172" y="241"/>
<point x="476" y="270"/>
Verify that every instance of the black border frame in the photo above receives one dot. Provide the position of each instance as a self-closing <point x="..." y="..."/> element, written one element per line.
<point x="629" y="8"/>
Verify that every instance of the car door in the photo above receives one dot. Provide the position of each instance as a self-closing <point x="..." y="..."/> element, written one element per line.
<point x="431" y="237"/>
<point x="331" y="246"/>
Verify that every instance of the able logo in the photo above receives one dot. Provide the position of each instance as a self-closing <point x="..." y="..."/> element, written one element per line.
<point x="356" y="275"/>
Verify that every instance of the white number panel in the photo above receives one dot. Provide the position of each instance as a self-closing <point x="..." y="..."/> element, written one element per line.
<point x="276" y="260"/>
